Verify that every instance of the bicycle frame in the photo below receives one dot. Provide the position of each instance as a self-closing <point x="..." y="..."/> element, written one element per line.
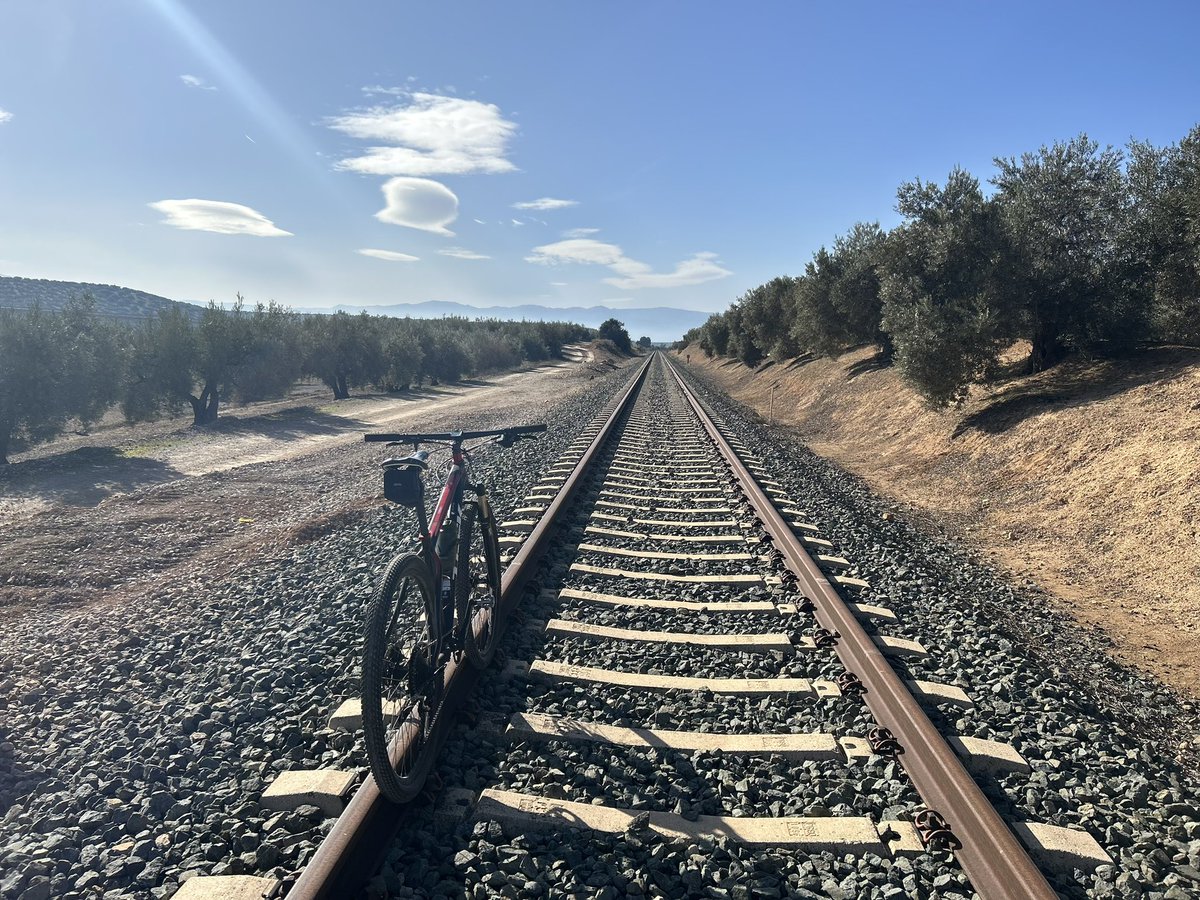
<point x="439" y="538"/>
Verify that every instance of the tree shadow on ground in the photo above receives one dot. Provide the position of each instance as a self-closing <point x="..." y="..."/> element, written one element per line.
<point x="801" y="360"/>
<point x="422" y="392"/>
<point x="299" y="422"/>
<point x="876" y="362"/>
<point x="82" y="477"/>
<point x="1075" y="383"/>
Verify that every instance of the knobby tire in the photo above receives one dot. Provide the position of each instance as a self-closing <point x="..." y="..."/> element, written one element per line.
<point x="390" y="673"/>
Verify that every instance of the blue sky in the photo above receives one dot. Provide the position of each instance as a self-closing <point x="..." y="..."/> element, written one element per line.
<point x="666" y="153"/>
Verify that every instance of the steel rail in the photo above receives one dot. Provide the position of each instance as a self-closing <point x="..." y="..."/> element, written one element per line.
<point x="358" y="842"/>
<point x="991" y="855"/>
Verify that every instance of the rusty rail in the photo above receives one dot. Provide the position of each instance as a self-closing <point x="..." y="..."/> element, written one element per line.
<point x="993" y="858"/>
<point x="358" y="842"/>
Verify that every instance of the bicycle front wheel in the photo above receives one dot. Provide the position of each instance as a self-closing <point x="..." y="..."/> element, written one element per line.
<point x="398" y="671"/>
<point x="477" y="591"/>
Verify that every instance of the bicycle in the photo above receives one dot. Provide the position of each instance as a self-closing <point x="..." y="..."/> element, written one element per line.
<point x="431" y="606"/>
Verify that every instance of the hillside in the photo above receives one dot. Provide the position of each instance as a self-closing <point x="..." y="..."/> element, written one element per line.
<point x="111" y="300"/>
<point x="659" y="323"/>
<point x="1083" y="480"/>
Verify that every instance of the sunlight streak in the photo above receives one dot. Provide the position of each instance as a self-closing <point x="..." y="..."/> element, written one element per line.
<point x="234" y="77"/>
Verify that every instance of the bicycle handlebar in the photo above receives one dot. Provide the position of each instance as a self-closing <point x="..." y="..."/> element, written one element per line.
<point x="506" y="434"/>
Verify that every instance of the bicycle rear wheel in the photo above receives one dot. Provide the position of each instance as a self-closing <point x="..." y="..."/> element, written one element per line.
<point x="398" y="700"/>
<point x="477" y="591"/>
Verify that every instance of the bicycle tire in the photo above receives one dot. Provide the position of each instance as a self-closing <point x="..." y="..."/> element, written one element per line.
<point x="396" y="675"/>
<point x="477" y="588"/>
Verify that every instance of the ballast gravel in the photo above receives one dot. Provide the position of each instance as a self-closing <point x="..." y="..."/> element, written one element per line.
<point x="136" y="740"/>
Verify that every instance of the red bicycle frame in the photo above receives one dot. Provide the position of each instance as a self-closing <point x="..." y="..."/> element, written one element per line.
<point x="439" y="544"/>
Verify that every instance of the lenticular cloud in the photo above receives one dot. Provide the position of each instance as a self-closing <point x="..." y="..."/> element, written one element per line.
<point x="389" y="255"/>
<point x="629" y="274"/>
<point x="418" y="203"/>
<point x="217" y="216"/>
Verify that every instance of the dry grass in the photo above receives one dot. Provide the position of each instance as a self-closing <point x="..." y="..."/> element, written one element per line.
<point x="1085" y="479"/>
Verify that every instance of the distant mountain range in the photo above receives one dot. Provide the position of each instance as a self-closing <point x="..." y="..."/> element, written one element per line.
<point x="659" y="323"/>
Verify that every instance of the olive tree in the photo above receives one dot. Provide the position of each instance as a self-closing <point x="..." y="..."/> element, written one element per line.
<point x="55" y="367"/>
<point x="938" y="288"/>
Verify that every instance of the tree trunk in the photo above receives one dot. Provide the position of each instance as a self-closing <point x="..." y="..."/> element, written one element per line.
<point x="1046" y="348"/>
<point x="887" y="349"/>
<point x="337" y="384"/>
<point x="206" y="406"/>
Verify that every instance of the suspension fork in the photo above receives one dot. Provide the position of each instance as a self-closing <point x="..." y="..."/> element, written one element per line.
<point x="485" y="505"/>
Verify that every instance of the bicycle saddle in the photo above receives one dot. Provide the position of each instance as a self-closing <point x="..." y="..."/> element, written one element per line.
<point x="415" y="459"/>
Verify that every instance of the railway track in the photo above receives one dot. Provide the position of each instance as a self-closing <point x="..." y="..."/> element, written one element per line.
<point x="693" y="673"/>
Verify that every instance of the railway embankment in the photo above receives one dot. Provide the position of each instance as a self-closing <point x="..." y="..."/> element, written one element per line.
<point x="1082" y="482"/>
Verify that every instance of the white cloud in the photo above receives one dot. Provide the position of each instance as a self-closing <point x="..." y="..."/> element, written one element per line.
<point x="631" y="274"/>
<point x="372" y="90"/>
<point x="429" y="134"/>
<point x="558" y="284"/>
<point x="545" y="203"/>
<point x="389" y="255"/>
<point x="516" y="223"/>
<point x="419" y="203"/>
<point x="197" y="82"/>
<point x="217" y="216"/>
<point x="580" y="250"/>
<point x="579" y="232"/>
<point x="5" y="116"/>
<point x="462" y="253"/>
<point x="701" y="267"/>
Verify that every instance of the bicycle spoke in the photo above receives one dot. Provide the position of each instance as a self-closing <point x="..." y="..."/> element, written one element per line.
<point x="398" y="605"/>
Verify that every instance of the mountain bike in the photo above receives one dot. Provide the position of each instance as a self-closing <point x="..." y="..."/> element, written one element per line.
<point x="433" y="605"/>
